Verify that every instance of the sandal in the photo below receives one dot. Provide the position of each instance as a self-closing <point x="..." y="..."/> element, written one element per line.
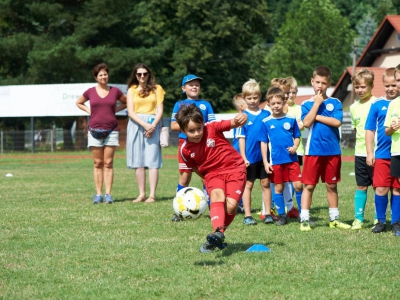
<point x="139" y="199"/>
<point x="151" y="199"/>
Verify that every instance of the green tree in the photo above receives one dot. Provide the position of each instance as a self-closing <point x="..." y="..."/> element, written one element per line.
<point x="365" y="29"/>
<point x="314" y="34"/>
<point x="386" y="7"/>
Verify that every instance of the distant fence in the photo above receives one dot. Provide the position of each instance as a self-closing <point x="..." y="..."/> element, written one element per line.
<point x="53" y="140"/>
<point x="57" y="139"/>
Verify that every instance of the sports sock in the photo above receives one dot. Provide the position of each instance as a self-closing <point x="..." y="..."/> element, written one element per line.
<point x="288" y="195"/>
<point x="280" y="203"/>
<point x="298" y="199"/>
<point x="272" y="187"/>
<point x="305" y="215"/>
<point x="228" y="219"/>
<point x="360" y="198"/>
<point x="395" y="208"/>
<point x="333" y="213"/>
<point x="206" y="194"/>
<point x="179" y="187"/>
<point x="381" y="203"/>
<point x="217" y="215"/>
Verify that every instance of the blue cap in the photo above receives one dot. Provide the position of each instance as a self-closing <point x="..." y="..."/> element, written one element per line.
<point x="190" y="77"/>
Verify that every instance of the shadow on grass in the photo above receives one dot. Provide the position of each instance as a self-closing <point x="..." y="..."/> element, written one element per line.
<point x="158" y="199"/>
<point x="208" y="263"/>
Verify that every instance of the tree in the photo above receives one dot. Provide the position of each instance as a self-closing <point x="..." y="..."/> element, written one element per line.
<point x="365" y="29"/>
<point x="314" y="34"/>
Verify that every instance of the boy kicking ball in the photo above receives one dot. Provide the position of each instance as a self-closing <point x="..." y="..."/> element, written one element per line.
<point x="213" y="158"/>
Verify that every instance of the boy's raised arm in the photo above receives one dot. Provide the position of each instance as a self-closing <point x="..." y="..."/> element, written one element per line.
<point x="239" y="120"/>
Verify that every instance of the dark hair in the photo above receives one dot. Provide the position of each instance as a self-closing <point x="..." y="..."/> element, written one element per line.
<point x="188" y="113"/>
<point x="150" y="84"/>
<point x="323" y="72"/>
<point x="275" y="91"/>
<point x="98" y="68"/>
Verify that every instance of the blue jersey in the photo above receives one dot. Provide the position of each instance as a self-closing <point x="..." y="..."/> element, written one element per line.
<point x="251" y="131"/>
<point x="375" y="122"/>
<point x="280" y="132"/>
<point x="235" y="141"/>
<point x="323" y="140"/>
<point x="205" y="107"/>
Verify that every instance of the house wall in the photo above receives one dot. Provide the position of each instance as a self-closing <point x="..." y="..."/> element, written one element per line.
<point x="389" y="60"/>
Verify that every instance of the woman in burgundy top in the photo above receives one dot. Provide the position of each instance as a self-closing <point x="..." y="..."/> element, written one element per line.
<point x="103" y="106"/>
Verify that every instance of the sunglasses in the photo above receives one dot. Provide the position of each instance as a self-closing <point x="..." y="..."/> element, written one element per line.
<point x="144" y="74"/>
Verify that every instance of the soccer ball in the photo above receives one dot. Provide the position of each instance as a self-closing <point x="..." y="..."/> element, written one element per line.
<point x="189" y="203"/>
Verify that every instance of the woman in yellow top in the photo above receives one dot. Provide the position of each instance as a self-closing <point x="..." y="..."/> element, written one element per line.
<point x="145" y="110"/>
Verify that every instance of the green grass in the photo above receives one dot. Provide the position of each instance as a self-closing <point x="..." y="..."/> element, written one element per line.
<point x="55" y="244"/>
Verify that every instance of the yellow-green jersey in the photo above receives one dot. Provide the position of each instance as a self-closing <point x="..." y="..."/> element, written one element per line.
<point x="358" y="114"/>
<point x="393" y="113"/>
<point x="295" y="111"/>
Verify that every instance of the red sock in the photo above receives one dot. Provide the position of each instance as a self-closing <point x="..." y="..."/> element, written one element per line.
<point x="228" y="219"/>
<point x="217" y="214"/>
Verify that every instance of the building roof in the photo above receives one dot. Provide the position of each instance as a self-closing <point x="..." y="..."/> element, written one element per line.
<point x="342" y="87"/>
<point x="378" y="40"/>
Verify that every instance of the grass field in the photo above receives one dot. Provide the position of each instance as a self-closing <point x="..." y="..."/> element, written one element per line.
<point x="55" y="244"/>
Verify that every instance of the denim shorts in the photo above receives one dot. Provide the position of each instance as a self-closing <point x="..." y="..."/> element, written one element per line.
<point x="111" y="140"/>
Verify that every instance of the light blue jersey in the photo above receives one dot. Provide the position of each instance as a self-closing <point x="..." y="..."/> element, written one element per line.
<point x="251" y="131"/>
<point x="375" y="122"/>
<point x="205" y="107"/>
<point x="323" y="140"/>
<point x="280" y="133"/>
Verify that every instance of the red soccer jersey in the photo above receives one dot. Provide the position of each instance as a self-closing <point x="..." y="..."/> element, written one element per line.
<point x="213" y="154"/>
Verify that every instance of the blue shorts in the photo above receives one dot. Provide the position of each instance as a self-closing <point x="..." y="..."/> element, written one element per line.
<point x="111" y="140"/>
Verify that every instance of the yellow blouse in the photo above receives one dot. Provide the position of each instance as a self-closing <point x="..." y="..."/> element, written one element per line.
<point x="147" y="106"/>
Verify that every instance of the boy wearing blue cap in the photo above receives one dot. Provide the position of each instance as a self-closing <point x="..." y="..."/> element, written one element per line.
<point x="190" y="87"/>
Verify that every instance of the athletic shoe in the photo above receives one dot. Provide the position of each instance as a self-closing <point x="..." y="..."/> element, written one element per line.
<point x="379" y="227"/>
<point x="305" y="226"/>
<point x="108" y="199"/>
<point x="310" y="221"/>
<point x="240" y="209"/>
<point x="175" y="218"/>
<point x="249" y="221"/>
<point x="337" y="224"/>
<point x="357" y="224"/>
<point x="293" y="213"/>
<point x="97" y="199"/>
<point x="283" y="220"/>
<point x="217" y="239"/>
<point x="396" y="228"/>
<point x="207" y="248"/>
<point x="274" y="215"/>
<point x="268" y="219"/>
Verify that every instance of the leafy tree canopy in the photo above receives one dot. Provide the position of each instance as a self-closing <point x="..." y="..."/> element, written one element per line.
<point x="314" y="34"/>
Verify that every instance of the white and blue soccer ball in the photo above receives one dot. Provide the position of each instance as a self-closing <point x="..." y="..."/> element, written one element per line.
<point x="189" y="203"/>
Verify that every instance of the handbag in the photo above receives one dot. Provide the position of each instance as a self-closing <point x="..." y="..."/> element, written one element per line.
<point x="164" y="137"/>
<point x="164" y="132"/>
<point x="100" y="134"/>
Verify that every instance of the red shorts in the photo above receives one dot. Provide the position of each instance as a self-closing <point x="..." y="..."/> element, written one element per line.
<point x="289" y="172"/>
<point x="232" y="183"/>
<point x="381" y="175"/>
<point x="183" y="168"/>
<point x="326" y="167"/>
